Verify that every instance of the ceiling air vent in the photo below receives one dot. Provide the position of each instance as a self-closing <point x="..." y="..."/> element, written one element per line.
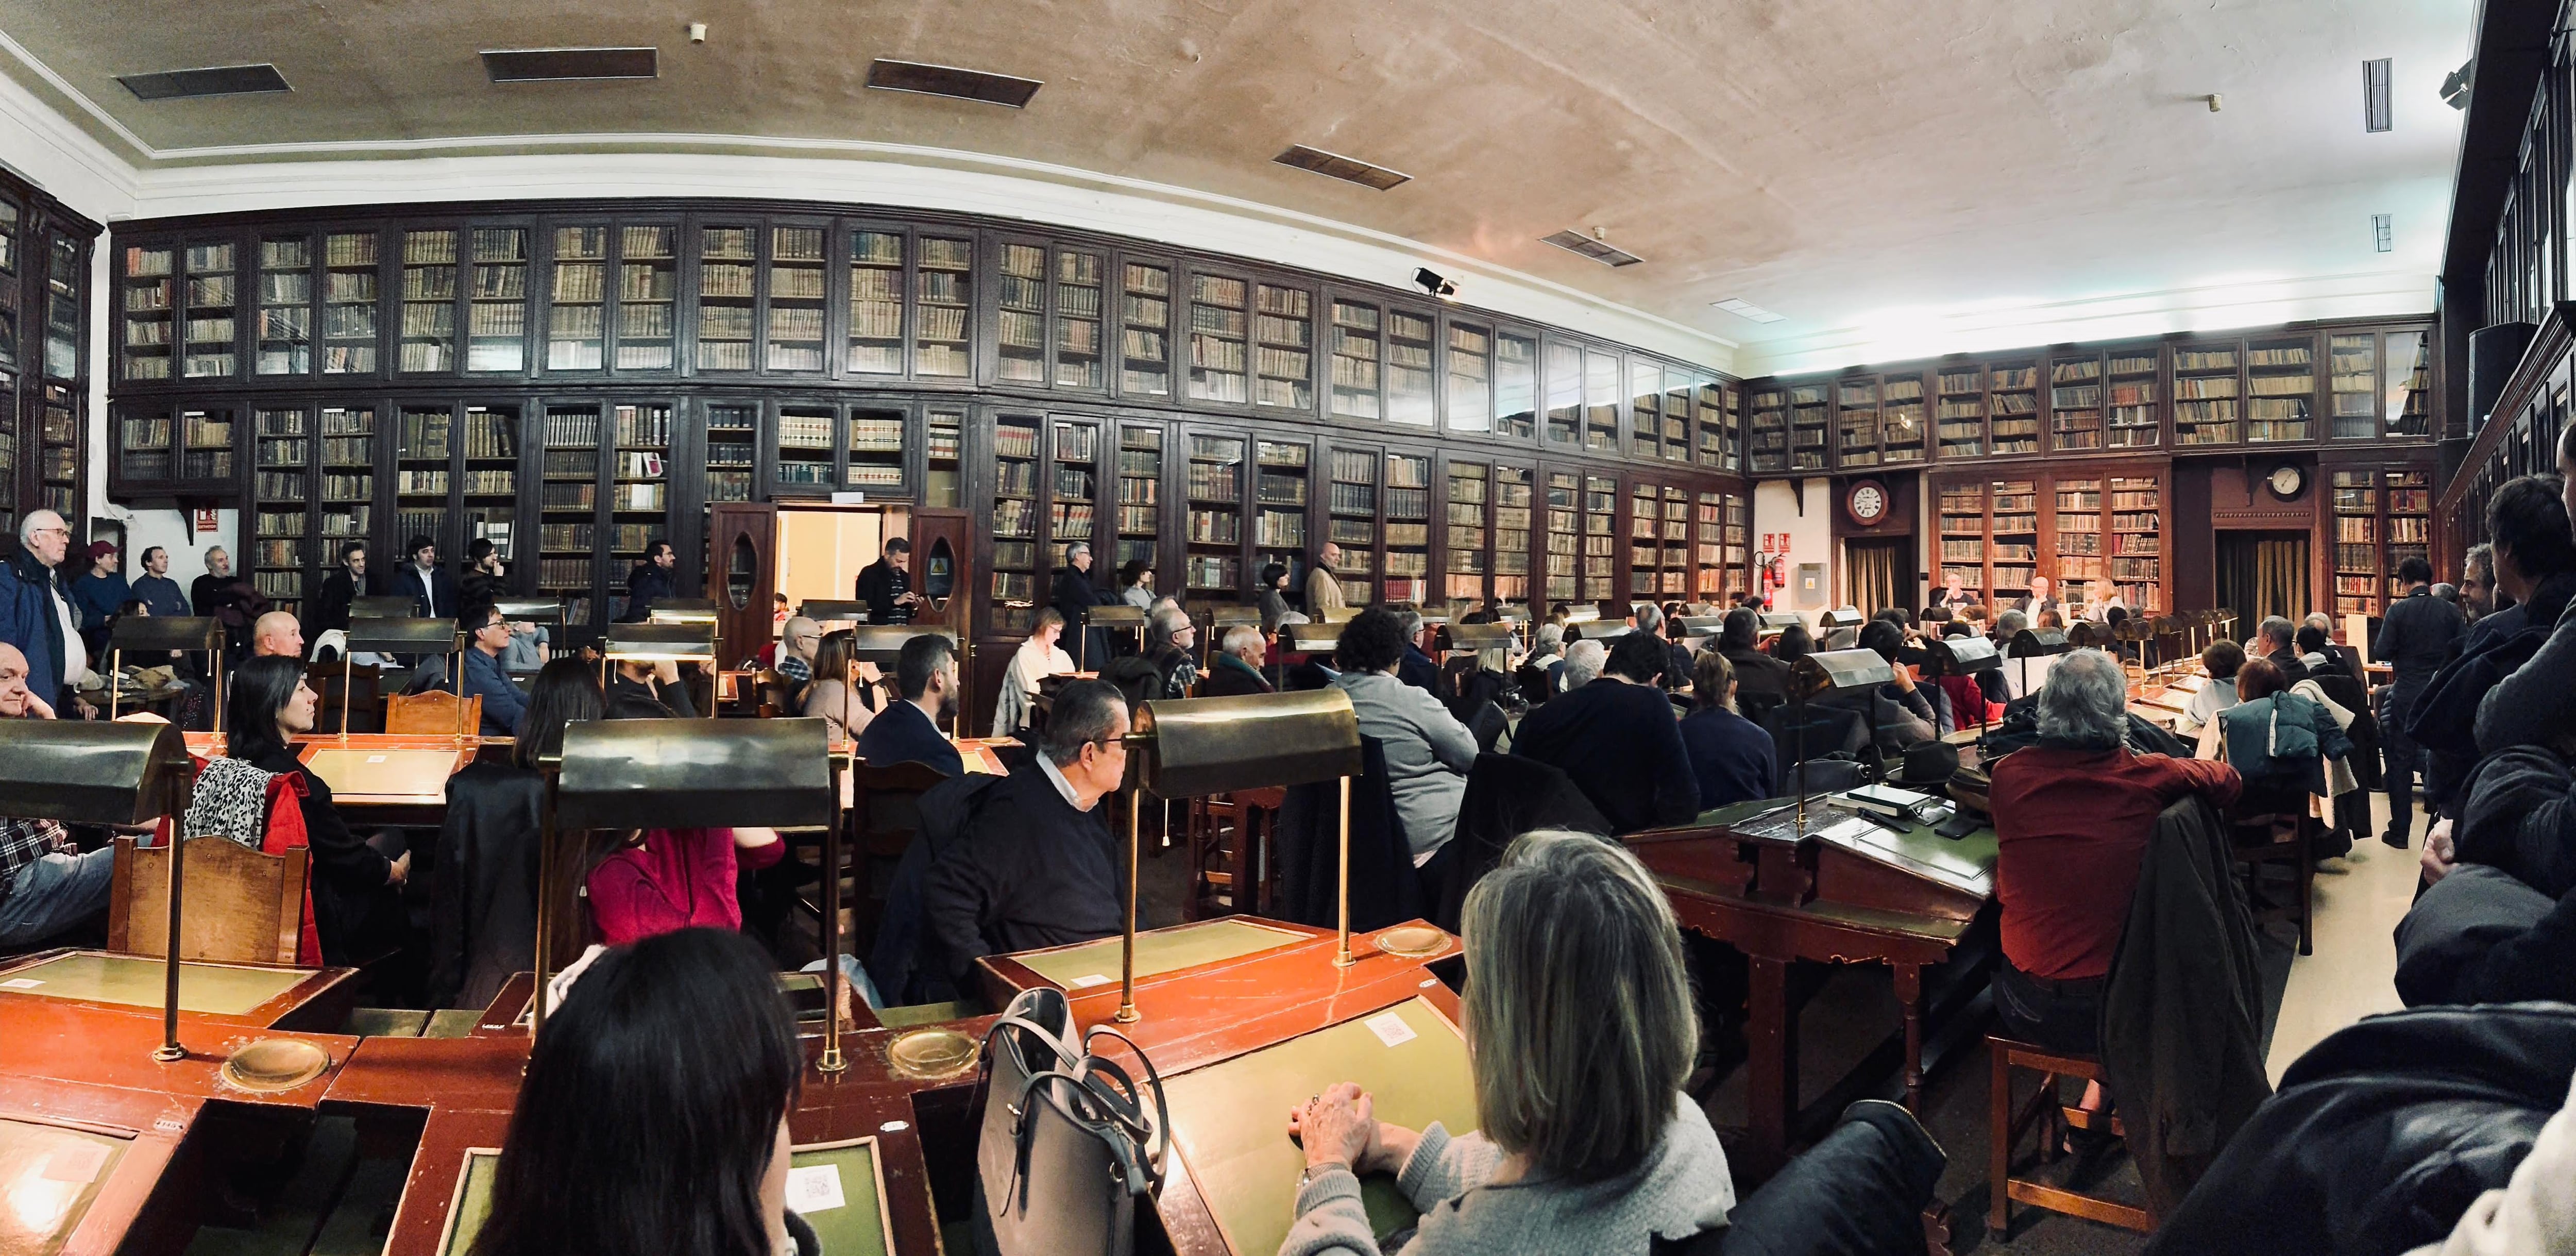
<point x="948" y="80"/>
<point x="222" y="80"/>
<point x="1742" y="308"/>
<point x="1591" y="246"/>
<point x="1346" y="169"/>
<point x="539" y="65"/>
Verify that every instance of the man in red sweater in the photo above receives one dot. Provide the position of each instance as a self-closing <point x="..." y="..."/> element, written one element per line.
<point x="2073" y="815"/>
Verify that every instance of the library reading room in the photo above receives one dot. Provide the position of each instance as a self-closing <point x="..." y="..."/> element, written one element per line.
<point x="806" y="628"/>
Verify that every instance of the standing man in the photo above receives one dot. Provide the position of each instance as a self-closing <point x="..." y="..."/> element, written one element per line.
<point x="340" y="589"/>
<point x="160" y="594"/>
<point x="1323" y="592"/>
<point x="650" y="582"/>
<point x="886" y="585"/>
<point x="2416" y="637"/>
<point x="98" y="594"/>
<point x="431" y="589"/>
<point x="1073" y="594"/>
<point x="36" y="610"/>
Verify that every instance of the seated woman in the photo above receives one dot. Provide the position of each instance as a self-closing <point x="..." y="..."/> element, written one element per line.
<point x="1793" y="644"/>
<point x="671" y="1061"/>
<point x="1275" y="610"/>
<point x="356" y="889"/>
<point x="2221" y="660"/>
<point x="1037" y="658"/>
<point x="1428" y="752"/>
<point x="483" y="917"/>
<point x="838" y="695"/>
<point x="1731" y="755"/>
<point x="647" y="881"/>
<point x="2278" y="741"/>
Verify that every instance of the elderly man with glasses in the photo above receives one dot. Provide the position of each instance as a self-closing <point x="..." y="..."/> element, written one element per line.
<point x="36" y="612"/>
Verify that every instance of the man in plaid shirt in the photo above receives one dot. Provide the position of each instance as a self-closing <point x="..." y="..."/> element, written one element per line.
<point x="47" y="885"/>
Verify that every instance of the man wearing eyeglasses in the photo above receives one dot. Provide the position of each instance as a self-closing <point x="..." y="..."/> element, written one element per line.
<point x="486" y="635"/>
<point x="36" y="611"/>
<point x="1034" y="866"/>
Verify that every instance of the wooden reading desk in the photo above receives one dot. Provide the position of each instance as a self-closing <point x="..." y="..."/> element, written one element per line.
<point x="392" y="778"/>
<point x="1848" y="892"/>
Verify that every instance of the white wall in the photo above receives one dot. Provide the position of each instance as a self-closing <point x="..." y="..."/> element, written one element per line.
<point x="1811" y="539"/>
<point x="169" y="529"/>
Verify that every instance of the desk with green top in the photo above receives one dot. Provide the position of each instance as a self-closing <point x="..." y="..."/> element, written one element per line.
<point x="1847" y="891"/>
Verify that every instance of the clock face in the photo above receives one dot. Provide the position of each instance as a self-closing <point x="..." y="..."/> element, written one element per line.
<point x="2285" y="481"/>
<point x="1868" y="502"/>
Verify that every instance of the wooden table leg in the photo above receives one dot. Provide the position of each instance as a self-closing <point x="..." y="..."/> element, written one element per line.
<point x="1771" y="1064"/>
<point x="1909" y="992"/>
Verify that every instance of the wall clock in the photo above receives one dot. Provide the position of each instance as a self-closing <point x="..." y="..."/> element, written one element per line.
<point x="2285" y="481"/>
<point x="1866" y="503"/>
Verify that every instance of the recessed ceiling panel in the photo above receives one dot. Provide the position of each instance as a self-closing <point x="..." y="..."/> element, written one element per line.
<point x="222" y="80"/>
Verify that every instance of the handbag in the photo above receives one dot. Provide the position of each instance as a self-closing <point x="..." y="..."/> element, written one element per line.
<point x="1068" y="1141"/>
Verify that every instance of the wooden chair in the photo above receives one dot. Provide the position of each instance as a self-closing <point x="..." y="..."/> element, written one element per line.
<point x="364" y="706"/>
<point x="2282" y="840"/>
<point x="1232" y="839"/>
<point x="437" y="713"/>
<point x="2052" y="1116"/>
<point x="884" y="817"/>
<point x="243" y="907"/>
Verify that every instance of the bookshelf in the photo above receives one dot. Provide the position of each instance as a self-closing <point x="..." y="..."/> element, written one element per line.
<point x="648" y="297"/>
<point x="639" y="490"/>
<point x="728" y="282"/>
<point x="2357" y="565"/>
<point x="2352" y="382"/>
<point x="1564" y="395"/>
<point x="147" y="306"/>
<point x="2078" y="525"/>
<point x="2135" y="564"/>
<point x="207" y="335"/>
<point x="488" y="487"/>
<point x="1601" y="402"/>
<point x="282" y="330"/>
<point x="1352" y="522"/>
<point x="1014" y="595"/>
<point x="496" y="312"/>
<point x="2012" y="408"/>
<point x="12" y="284"/>
<point x="427" y="340"/>
<point x="2281" y="390"/>
<point x="1564" y="537"/>
<point x="348" y="479"/>
<point x="1019" y="337"/>
<point x="577" y="299"/>
<point x="1514" y="508"/>
<point x="1769" y="444"/>
<point x="799" y="273"/>
<point x="943" y="436"/>
<point x="1283" y="336"/>
<point x="1856" y="422"/>
<point x="206" y="446"/>
<point x="2075" y="403"/>
<point x="1676" y="580"/>
<point x="1079" y="362"/>
<point x="350" y="288"/>
<point x="1679" y="408"/>
<point x="1902" y="429"/>
<point x="1466" y="533"/>
<point x="1600" y="538"/>
<point x="733" y="451"/>
<point x="1140" y="494"/>
<point x="1144" y="330"/>
<point x="144" y="440"/>
<point x="2131" y="419"/>
<point x="804" y="465"/>
<point x="1407" y="529"/>
<point x="1470" y="403"/>
<point x="281" y="512"/>
<point x="1220" y="332"/>
<point x="1411" y="377"/>
<point x="1073" y="490"/>
<point x="2012" y="551"/>
<point x="2205" y="394"/>
<point x="2409" y="388"/>
<point x="1959" y="412"/>
<point x="942" y="345"/>
<point x="1281" y="496"/>
<point x="1356" y="338"/>
<point x="61" y="478"/>
<point x="1515" y="386"/>
<point x="1645" y="546"/>
<point x="1807" y="426"/>
<point x="568" y="557"/>
<point x="877" y="282"/>
<point x="424" y="457"/>
<point x="1212" y="560"/>
<point x="876" y="450"/>
<point x="1718" y="413"/>
<point x="1962" y="530"/>
<point x="2409" y="500"/>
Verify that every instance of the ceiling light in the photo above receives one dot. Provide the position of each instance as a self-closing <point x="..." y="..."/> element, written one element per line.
<point x="543" y="65"/>
<point x="2383" y="231"/>
<point x="2456" y="84"/>
<point x="923" y="79"/>
<point x="1430" y="281"/>
<point x="222" y="80"/>
<point x="1742" y="308"/>
<point x="1346" y="169"/>
<point x="2374" y="95"/>
<point x="1591" y="246"/>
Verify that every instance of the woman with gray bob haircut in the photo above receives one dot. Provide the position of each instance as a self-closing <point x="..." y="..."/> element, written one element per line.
<point x="1579" y="1021"/>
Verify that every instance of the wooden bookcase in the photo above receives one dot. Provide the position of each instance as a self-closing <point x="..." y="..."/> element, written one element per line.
<point x="2072" y="522"/>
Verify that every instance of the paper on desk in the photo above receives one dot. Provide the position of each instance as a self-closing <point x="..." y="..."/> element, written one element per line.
<point x="79" y="1162"/>
<point x="20" y="983"/>
<point x="814" y="1188"/>
<point x="1390" y="1028"/>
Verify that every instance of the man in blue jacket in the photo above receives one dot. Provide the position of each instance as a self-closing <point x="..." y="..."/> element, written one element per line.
<point x="486" y="635"/>
<point x="35" y="608"/>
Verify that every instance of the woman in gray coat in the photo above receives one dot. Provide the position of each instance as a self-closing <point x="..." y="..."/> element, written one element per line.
<point x="1428" y="752"/>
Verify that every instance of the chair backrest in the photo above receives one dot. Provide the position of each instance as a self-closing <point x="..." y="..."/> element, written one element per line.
<point x="435" y="713"/>
<point x="887" y="801"/>
<point x="243" y="907"/>
<point x="363" y="704"/>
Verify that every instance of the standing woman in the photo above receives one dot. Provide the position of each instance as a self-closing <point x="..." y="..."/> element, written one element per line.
<point x="357" y="891"/>
<point x="654" y="1114"/>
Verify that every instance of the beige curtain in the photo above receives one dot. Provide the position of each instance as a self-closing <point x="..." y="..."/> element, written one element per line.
<point x="2262" y="574"/>
<point x="1872" y="577"/>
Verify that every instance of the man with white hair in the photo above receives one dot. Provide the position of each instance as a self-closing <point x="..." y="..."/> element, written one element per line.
<point x="2073" y="815"/>
<point x="47" y="885"/>
<point x="1236" y="670"/>
<point x="36" y="610"/>
<point x="1173" y="637"/>
<point x="1583" y="663"/>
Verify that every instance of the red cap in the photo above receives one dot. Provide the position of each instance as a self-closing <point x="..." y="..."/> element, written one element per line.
<point x="100" y="549"/>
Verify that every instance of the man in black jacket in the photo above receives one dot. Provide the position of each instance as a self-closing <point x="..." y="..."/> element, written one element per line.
<point x="339" y="590"/>
<point x="1035" y="866"/>
<point x="2533" y="564"/>
<point x="431" y="588"/>
<point x="2416" y="637"/>
<point x="1073" y="594"/>
<point x="1618" y="740"/>
<point x="886" y="585"/>
<point x="2278" y="640"/>
<point x="649" y="582"/>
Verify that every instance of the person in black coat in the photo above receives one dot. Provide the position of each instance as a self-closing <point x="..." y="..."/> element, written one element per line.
<point x="1236" y="668"/>
<point x="483" y="915"/>
<point x="2417" y="635"/>
<point x="1035" y="866"/>
<point x="1616" y="738"/>
<point x="1730" y="755"/>
<point x="908" y="731"/>
<point x="650" y="582"/>
<point x="340" y="590"/>
<point x="886" y="585"/>
<point x="431" y="588"/>
<point x="1073" y="594"/>
<point x="357" y="891"/>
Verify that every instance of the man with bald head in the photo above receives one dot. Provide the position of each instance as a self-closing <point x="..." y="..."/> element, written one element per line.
<point x="798" y="638"/>
<point x="276" y="633"/>
<point x="47" y="886"/>
<point x="36" y="609"/>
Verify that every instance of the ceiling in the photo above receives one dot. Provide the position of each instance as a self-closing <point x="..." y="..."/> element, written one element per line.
<point x="1893" y="176"/>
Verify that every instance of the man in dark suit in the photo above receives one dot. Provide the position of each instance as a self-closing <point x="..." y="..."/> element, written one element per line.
<point x="2417" y="635"/>
<point x="339" y="590"/>
<point x="431" y="588"/>
<point x="1074" y="594"/>
<point x="908" y="731"/>
<point x="886" y="585"/>
<point x="2038" y="601"/>
<point x="1417" y="668"/>
<point x="2278" y="641"/>
<point x="649" y="582"/>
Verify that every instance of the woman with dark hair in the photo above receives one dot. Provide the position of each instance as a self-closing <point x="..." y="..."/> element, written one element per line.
<point x="1793" y="644"/>
<point x="483" y="917"/>
<point x="1136" y="583"/>
<point x="654" y="1114"/>
<point x="1274" y="600"/>
<point x="357" y="891"/>
<point x="1731" y="755"/>
<point x="1428" y="752"/>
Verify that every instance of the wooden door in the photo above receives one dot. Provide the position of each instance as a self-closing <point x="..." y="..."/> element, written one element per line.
<point x="943" y="572"/>
<point x="742" y="575"/>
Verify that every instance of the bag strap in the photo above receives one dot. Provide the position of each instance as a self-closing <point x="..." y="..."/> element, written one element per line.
<point x="1152" y="1127"/>
<point x="1043" y="1033"/>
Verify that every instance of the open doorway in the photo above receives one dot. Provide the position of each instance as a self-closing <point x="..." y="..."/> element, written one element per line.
<point x="822" y="549"/>
<point x="1878" y="573"/>
<point x="2262" y="574"/>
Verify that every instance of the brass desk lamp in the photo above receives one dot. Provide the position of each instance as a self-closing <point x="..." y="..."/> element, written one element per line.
<point x="658" y="643"/>
<point x="174" y="634"/>
<point x="1833" y="671"/>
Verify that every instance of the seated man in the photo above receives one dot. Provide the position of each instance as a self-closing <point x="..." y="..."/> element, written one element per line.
<point x="2277" y="640"/>
<point x="2073" y="814"/>
<point x="276" y="634"/>
<point x="1899" y="714"/>
<point x="487" y="634"/>
<point x="1172" y="638"/>
<point x="1618" y="740"/>
<point x="797" y="641"/>
<point x="908" y="731"/>
<point x="47" y="886"/>
<point x="643" y="690"/>
<point x="1034" y="866"/>
<point x="1417" y="668"/>
<point x="1237" y="668"/>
